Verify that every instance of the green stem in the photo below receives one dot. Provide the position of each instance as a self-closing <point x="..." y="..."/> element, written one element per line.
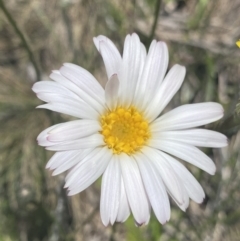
<point x="23" y="39"/>
<point x="156" y="15"/>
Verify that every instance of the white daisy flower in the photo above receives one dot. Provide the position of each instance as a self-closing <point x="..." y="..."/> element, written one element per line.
<point x="121" y="133"/>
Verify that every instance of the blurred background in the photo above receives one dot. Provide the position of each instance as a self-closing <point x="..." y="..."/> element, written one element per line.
<point x="37" y="36"/>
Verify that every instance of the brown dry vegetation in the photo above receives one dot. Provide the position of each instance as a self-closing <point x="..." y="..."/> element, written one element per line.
<point x="200" y="35"/>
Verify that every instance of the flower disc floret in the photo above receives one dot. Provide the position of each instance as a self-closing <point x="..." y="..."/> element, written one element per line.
<point x="124" y="130"/>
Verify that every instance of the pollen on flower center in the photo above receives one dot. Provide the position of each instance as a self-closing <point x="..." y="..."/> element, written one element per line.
<point x="124" y="130"/>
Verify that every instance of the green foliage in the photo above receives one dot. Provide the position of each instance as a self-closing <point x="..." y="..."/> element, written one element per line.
<point x="154" y="229"/>
<point x="134" y="233"/>
<point x="198" y="15"/>
<point x="151" y="3"/>
<point x="238" y="108"/>
<point x="8" y="223"/>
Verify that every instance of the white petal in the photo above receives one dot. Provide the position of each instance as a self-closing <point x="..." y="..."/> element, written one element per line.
<point x="73" y="130"/>
<point x="92" y="141"/>
<point x="132" y="68"/>
<point x="168" y="175"/>
<point x="134" y="188"/>
<point x="55" y="97"/>
<point x="88" y="170"/>
<point x="54" y="88"/>
<point x="195" y="137"/>
<point x="155" y="188"/>
<point x="143" y="78"/>
<point x="167" y="90"/>
<point x="111" y="91"/>
<point x="188" y="116"/>
<point x="42" y="137"/>
<point x="187" y="153"/>
<point x="60" y="158"/>
<point x="67" y="163"/>
<point x="124" y="209"/>
<point x="86" y="79"/>
<point x="110" y="192"/>
<point x="67" y="84"/>
<point x="184" y="205"/>
<point x="72" y="176"/>
<point x="87" y="85"/>
<point x="96" y="101"/>
<point x="70" y="107"/>
<point x="111" y="56"/>
<point x="194" y="189"/>
<point x="153" y="72"/>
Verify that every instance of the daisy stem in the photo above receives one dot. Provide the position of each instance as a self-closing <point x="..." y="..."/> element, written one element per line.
<point x="156" y="15"/>
<point x="112" y="233"/>
<point x="22" y="38"/>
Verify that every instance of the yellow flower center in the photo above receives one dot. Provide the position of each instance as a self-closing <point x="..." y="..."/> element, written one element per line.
<point x="124" y="130"/>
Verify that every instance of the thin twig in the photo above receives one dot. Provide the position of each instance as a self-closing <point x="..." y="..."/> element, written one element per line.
<point x="23" y="39"/>
<point x="156" y="15"/>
